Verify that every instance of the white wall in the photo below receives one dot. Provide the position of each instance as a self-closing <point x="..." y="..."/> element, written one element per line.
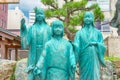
<point x="14" y="18"/>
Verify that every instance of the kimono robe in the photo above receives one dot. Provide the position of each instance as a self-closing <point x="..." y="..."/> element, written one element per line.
<point x="89" y="56"/>
<point x="34" y="39"/>
<point x="58" y="59"/>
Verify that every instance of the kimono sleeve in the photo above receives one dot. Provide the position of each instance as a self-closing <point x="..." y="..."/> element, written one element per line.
<point x="72" y="64"/>
<point x="41" y="61"/>
<point x="76" y="46"/>
<point x="101" y="49"/>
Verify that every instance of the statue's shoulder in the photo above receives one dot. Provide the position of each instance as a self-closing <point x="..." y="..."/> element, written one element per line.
<point x="50" y="42"/>
<point x="98" y="31"/>
<point x="46" y="25"/>
<point x="31" y="27"/>
<point x="66" y="42"/>
<point x="79" y="32"/>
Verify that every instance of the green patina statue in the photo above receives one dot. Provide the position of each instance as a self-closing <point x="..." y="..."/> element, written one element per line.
<point x="34" y="39"/>
<point x="115" y="22"/>
<point x="57" y="61"/>
<point x="89" y="49"/>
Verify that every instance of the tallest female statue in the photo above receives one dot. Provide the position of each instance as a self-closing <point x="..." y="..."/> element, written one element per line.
<point x="89" y="49"/>
<point x="34" y="39"/>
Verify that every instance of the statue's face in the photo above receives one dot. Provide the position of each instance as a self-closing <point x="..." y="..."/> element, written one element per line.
<point x="40" y="16"/>
<point x="58" y="30"/>
<point x="88" y="18"/>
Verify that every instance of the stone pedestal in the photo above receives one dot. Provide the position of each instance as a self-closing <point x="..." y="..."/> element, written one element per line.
<point x="113" y="46"/>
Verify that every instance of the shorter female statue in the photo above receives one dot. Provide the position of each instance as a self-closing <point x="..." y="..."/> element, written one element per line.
<point x="57" y="59"/>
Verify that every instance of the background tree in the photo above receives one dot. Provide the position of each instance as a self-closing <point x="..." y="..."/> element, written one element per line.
<point x="71" y="13"/>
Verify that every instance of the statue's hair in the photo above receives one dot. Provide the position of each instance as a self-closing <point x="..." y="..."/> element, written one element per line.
<point x="37" y="11"/>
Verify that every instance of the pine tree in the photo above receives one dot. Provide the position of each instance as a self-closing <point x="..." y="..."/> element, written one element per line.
<point x="71" y="13"/>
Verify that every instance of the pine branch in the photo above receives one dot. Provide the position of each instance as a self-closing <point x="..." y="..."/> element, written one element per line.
<point x="58" y="18"/>
<point x="71" y="0"/>
<point x="78" y="9"/>
<point x="65" y="1"/>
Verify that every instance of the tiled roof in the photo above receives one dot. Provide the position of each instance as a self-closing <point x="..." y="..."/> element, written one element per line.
<point x="9" y="33"/>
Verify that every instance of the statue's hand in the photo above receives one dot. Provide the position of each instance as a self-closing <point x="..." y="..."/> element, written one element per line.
<point x="29" y="68"/>
<point x="23" y="26"/>
<point x="93" y="43"/>
<point x="36" y="71"/>
<point x="22" y="21"/>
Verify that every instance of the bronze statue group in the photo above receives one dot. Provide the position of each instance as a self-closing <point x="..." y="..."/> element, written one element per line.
<point x="51" y="57"/>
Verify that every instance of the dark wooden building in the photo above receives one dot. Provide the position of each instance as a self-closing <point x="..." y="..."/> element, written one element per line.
<point x="8" y="42"/>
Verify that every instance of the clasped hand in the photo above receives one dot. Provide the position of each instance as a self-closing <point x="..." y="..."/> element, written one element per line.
<point x="36" y="71"/>
<point x="93" y="43"/>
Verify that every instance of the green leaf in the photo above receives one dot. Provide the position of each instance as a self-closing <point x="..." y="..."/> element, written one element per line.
<point x="73" y="10"/>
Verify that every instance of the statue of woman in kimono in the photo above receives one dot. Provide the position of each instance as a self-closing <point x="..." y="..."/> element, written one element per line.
<point x="58" y="58"/>
<point x="34" y="39"/>
<point x="89" y="49"/>
<point x="115" y="22"/>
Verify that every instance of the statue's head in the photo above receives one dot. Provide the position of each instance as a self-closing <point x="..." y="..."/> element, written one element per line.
<point x="39" y="14"/>
<point x="88" y="18"/>
<point x="57" y="28"/>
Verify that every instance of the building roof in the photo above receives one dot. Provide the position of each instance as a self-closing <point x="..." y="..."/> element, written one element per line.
<point x="17" y="37"/>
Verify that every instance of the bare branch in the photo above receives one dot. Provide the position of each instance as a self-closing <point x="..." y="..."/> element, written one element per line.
<point x="65" y="1"/>
<point x="77" y="9"/>
<point x="71" y="0"/>
<point x="53" y="6"/>
<point x="69" y="34"/>
<point x="67" y="18"/>
<point x="58" y="18"/>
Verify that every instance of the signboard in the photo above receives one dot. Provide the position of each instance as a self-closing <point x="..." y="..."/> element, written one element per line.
<point x="9" y="1"/>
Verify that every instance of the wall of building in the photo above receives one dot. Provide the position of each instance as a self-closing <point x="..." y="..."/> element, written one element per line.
<point x="3" y="15"/>
<point x="14" y="17"/>
<point x="21" y="54"/>
<point x="113" y="46"/>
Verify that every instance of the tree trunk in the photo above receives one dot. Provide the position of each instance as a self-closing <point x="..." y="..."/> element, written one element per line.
<point x="70" y="35"/>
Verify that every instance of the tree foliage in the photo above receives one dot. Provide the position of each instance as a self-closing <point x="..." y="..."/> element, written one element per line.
<point x="71" y="13"/>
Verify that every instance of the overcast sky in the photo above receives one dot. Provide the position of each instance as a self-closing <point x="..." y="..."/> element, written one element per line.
<point x="27" y="5"/>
